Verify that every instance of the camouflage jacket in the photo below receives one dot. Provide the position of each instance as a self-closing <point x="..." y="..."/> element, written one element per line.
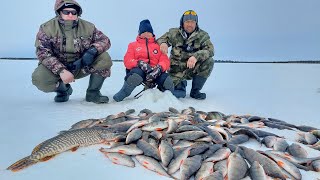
<point x="198" y="45"/>
<point x="60" y="42"/>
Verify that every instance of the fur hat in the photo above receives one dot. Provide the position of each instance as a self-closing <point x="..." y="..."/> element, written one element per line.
<point x="145" y="26"/>
<point x="61" y="4"/>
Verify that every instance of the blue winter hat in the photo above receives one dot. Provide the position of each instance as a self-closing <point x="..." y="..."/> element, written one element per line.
<point x="145" y="26"/>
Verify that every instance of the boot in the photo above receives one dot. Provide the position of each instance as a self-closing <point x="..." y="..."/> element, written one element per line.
<point x="129" y="85"/>
<point x="180" y="89"/>
<point x="93" y="91"/>
<point x="197" y="84"/>
<point x="63" y="92"/>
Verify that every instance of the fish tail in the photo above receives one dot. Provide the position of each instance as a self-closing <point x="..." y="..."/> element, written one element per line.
<point x="21" y="164"/>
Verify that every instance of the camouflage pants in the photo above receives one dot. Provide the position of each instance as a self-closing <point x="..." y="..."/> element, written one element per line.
<point x="181" y="72"/>
<point x="46" y="81"/>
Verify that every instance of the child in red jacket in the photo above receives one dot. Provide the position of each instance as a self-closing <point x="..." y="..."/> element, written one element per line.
<point x="145" y="62"/>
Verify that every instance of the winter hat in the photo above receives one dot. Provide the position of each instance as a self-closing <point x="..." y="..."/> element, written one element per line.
<point x="189" y="15"/>
<point x="145" y="26"/>
<point x="61" y="4"/>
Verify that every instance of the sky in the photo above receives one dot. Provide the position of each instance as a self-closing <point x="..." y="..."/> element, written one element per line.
<point x="249" y="30"/>
<point x="288" y="92"/>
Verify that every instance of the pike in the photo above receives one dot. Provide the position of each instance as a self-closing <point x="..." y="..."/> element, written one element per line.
<point x="70" y="140"/>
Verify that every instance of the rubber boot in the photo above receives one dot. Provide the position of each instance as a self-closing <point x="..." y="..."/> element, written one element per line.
<point x="197" y="84"/>
<point x="93" y="91"/>
<point x="180" y="89"/>
<point x="129" y="85"/>
<point x="63" y="92"/>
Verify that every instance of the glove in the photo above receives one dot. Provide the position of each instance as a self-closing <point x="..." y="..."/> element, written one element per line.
<point x="86" y="60"/>
<point x="154" y="74"/>
<point x="145" y="67"/>
<point x="88" y="56"/>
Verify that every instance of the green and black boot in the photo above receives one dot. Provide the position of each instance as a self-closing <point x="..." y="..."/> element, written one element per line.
<point x="63" y="92"/>
<point x="197" y="84"/>
<point x="93" y="91"/>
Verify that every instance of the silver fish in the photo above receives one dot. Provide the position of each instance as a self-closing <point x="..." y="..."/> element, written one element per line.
<point x="190" y="166"/>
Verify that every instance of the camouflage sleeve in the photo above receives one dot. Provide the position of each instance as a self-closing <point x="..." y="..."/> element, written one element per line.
<point x="100" y="41"/>
<point x="45" y="54"/>
<point x="206" y="49"/>
<point x="164" y="39"/>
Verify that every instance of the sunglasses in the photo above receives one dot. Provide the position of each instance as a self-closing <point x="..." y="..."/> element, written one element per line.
<point x="67" y="12"/>
<point x="190" y="12"/>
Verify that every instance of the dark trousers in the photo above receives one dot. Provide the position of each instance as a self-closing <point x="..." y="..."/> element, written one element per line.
<point x="159" y="81"/>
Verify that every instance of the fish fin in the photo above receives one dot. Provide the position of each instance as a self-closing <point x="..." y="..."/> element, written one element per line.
<point x="46" y="158"/>
<point x="280" y="163"/>
<point x="35" y="149"/>
<point x="21" y="164"/>
<point x="121" y="151"/>
<point x="74" y="148"/>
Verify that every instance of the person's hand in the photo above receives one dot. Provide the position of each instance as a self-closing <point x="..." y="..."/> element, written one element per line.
<point x="157" y="70"/>
<point x="145" y="67"/>
<point x="88" y="56"/>
<point x="164" y="48"/>
<point x="66" y="76"/>
<point x="191" y="62"/>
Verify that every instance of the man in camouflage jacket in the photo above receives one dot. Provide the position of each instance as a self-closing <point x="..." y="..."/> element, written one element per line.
<point x="191" y="55"/>
<point x="70" y="48"/>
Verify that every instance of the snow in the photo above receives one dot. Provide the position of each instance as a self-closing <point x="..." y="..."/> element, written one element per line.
<point x="28" y="116"/>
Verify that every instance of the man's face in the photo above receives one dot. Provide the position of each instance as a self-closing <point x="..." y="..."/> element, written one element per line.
<point x="69" y="14"/>
<point x="189" y="26"/>
<point x="146" y="35"/>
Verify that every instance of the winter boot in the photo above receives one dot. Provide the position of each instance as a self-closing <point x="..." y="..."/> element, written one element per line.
<point x="197" y="84"/>
<point x="63" y="92"/>
<point x="180" y="89"/>
<point x="93" y="91"/>
<point x="129" y="85"/>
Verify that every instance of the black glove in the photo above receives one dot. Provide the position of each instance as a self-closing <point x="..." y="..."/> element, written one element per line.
<point x="145" y="67"/>
<point x="86" y="60"/>
<point x="88" y="56"/>
<point x="156" y="72"/>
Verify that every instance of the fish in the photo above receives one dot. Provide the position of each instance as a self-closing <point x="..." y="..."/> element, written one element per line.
<point x="205" y="170"/>
<point x="166" y="152"/>
<point x="152" y="164"/>
<point x="120" y="159"/>
<point x="134" y="135"/>
<point x="190" y="166"/>
<point x="257" y="172"/>
<point x="148" y="150"/>
<point x="286" y="165"/>
<point x="131" y="149"/>
<point x="178" y="161"/>
<point x="70" y="140"/>
<point x="297" y="151"/>
<point x="237" y="166"/>
<point x="269" y="166"/>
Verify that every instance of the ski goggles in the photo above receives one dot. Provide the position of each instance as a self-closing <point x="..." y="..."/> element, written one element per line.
<point x="190" y="12"/>
<point x="67" y="12"/>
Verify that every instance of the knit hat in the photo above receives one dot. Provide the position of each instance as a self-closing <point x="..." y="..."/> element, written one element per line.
<point x="61" y="4"/>
<point x="189" y="15"/>
<point x="145" y="26"/>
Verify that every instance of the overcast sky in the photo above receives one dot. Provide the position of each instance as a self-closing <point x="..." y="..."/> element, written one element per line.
<point x="240" y="30"/>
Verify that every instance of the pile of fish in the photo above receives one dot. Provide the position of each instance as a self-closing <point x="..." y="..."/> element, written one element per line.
<point x="190" y="143"/>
